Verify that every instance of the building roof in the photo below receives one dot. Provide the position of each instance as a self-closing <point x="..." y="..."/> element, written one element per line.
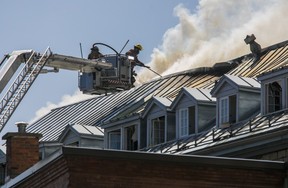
<point x="200" y="94"/>
<point x="197" y="95"/>
<point x="81" y="131"/>
<point x="243" y="81"/>
<point x="237" y="82"/>
<point x="162" y="102"/>
<point x="95" y="111"/>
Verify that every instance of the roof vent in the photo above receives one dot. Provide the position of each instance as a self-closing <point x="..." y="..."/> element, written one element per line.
<point x="254" y="46"/>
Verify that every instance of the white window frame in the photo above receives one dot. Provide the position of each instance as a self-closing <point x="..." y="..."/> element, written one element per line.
<point x="152" y="133"/>
<point x="224" y="114"/>
<point x="183" y="122"/>
<point x="268" y="102"/>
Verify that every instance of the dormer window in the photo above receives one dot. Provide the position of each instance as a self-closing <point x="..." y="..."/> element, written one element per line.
<point x="115" y="139"/>
<point x="227" y="110"/>
<point x="195" y="110"/>
<point x="160" y="121"/>
<point x="183" y="122"/>
<point x="274" y="90"/>
<point x="237" y="99"/>
<point x="131" y="138"/>
<point x="158" y="130"/>
<point x="274" y="97"/>
<point x="224" y="109"/>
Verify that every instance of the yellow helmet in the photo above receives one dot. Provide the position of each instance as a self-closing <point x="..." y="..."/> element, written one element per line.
<point x="138" y="46"/>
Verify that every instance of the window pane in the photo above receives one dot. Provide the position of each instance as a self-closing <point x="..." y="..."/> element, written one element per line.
<point x="274" y="97"/>
<point x="158" y="131"/>
<point x="131" y="138"/>
<point x="114" y="140"/>
<point x="224" y="117"/>
<point x="183" y="122"/>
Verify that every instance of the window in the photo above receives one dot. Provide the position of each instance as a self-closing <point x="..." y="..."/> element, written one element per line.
<point x="224" y="109"/>
<point x="131" y="138"/>
<point x="158" y="130"/>
<point x="228" y="106"/>
<point x="183" y="122"/>
<point x="274" y="97"/>
<point x="115" y="139"/>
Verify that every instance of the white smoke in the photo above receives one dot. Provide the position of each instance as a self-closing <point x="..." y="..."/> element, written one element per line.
<point x="66" y="99"/>
<point x="215" y="33"/>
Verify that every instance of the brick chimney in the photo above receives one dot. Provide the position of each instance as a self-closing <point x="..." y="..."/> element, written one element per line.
<point x="22" y="150"/>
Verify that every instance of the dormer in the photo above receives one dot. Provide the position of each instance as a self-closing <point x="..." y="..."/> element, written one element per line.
<point x="82" y="136"/>
<point x="237" y="99"/>
<point x="274" y="93"/>
<point x="195" y="110"/>
<point x="160" y="121"/>
<point x="122" y="132"/>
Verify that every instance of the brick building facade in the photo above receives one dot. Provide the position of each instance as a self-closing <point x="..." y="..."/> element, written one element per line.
<point x="80" y="167"/>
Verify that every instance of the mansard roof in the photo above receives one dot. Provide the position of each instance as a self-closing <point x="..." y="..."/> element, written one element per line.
<point x="95" y="111"/>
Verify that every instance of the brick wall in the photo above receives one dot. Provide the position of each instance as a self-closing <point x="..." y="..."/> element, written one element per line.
<point x="100" y="168"/>
<point x="56" y="176"/>
<point x="143" y="173"/>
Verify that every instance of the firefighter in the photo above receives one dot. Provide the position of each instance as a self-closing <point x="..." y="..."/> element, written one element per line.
<point x="132" y="55"/>
<point x="95" y="54"/>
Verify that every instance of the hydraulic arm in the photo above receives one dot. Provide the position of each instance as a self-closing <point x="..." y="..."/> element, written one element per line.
<point x="33" y="66"/>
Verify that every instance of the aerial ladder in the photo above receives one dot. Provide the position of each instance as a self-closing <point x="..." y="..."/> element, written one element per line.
<point x="110" y="73"/>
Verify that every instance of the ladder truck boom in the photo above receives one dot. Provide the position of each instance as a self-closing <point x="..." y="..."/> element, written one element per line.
<point x="98" y="76"/>
<point x="76" y="63"/>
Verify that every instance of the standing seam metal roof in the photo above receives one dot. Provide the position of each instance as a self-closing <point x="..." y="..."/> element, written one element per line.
<point x="93" y="112"/>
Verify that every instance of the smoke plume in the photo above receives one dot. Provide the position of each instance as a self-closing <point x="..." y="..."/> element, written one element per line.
<point x="215" y="33"/>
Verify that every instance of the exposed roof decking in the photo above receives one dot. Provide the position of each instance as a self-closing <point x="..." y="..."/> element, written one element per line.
<point x="273" y="58"/>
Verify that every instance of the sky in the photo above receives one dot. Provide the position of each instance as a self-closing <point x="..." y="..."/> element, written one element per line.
<point x="176" y="35"/>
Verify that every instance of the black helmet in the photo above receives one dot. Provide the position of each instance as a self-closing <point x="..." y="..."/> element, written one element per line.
<point x="95" y="48"/>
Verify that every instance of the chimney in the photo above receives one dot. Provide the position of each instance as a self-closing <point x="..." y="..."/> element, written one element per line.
<point x="22" y="150"/>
